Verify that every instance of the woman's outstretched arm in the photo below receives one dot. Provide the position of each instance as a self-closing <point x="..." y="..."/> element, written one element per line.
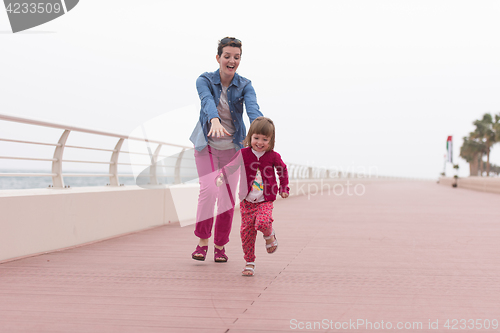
<point x="251" y="105"/>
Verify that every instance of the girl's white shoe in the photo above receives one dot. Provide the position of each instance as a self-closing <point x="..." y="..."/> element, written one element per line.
<point x="249" y="271"/>
<point x="274" y="243"/>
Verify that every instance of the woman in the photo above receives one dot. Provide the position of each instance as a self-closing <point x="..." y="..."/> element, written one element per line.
<point x="218" y="135"/>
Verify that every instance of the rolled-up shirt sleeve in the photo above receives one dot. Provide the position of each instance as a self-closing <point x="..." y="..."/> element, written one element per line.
<point x="251" y="105"/>
<point x="208" y="106"/>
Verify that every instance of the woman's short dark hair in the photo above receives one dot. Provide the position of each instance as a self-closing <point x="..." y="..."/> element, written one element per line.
<point x="262" y="126"/>
<point x="228" y="41"/>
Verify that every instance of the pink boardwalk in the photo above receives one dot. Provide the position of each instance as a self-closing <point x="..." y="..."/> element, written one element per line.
<point x="402" y="257"/>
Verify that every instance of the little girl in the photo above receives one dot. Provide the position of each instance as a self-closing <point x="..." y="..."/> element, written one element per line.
<point x="258" y="164"/>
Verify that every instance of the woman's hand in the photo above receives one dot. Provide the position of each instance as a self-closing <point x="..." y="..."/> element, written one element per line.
<point x="219" y="180"/>
<point x="217" y="129"/>
<point x="284" y="195"/>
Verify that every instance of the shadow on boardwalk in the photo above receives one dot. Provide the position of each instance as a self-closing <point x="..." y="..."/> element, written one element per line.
<point x="404" y="252"/>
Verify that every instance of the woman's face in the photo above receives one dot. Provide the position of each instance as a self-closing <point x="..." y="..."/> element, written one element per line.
<point x="229" y="60"/>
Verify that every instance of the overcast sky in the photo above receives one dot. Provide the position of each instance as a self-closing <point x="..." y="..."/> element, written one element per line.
<point x="349" y="84"/>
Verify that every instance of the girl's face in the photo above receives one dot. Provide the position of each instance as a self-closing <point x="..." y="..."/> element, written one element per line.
<point x="229" y="60"/>
<point x="260" y="142"/>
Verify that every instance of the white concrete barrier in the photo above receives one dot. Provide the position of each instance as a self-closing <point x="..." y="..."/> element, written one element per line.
<point x="35" y="221"/>
<point x="483" y="184"/>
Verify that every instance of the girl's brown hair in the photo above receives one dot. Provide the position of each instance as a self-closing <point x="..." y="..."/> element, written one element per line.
<point x="263" y="126"/>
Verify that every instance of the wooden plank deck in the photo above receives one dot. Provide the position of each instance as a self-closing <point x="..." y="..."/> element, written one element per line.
<point x="404" y="252"/>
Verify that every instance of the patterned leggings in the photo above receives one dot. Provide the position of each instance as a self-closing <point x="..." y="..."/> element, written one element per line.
<point x="254" y="216"/>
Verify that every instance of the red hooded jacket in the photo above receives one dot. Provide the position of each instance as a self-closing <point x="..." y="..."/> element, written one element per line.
<point x="269" y="164"/>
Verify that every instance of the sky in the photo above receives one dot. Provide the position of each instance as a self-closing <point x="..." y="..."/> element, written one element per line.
<point x="350" y="85"/>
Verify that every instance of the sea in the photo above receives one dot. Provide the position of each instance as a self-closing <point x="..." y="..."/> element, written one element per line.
<point x="19" y="183"/>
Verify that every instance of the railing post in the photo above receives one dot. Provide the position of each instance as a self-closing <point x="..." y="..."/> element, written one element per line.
<point x="153" y="179"/>
<point x="57" y="180"/>
<point x="113" y="167"/>
<point x="177" y="173"/>
<point x="310" y="169"/>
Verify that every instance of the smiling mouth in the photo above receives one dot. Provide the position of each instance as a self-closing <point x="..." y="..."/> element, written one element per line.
<point x="230" y="67"/>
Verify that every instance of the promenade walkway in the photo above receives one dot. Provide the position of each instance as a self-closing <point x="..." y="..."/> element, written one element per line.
<point x="403" y="253"/>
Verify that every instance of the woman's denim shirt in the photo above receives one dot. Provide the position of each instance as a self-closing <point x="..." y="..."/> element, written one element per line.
<point x="239" y="91"/>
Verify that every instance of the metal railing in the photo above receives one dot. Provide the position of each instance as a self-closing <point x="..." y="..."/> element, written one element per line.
<point x="58" y="156"/>
<point x="297" y="171"/>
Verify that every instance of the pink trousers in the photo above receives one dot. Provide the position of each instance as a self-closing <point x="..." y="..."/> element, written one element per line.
<point x="209" y="161"/>
<point x="254" y="217"/>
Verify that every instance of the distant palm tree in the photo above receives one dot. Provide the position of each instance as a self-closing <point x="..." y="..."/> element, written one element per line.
<point x="496" y="127"/>
<point x="485" y="133"/>
<point x="472" y="151"/>
<point x="495" y="169"/>
<point x="477" y="137"/>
